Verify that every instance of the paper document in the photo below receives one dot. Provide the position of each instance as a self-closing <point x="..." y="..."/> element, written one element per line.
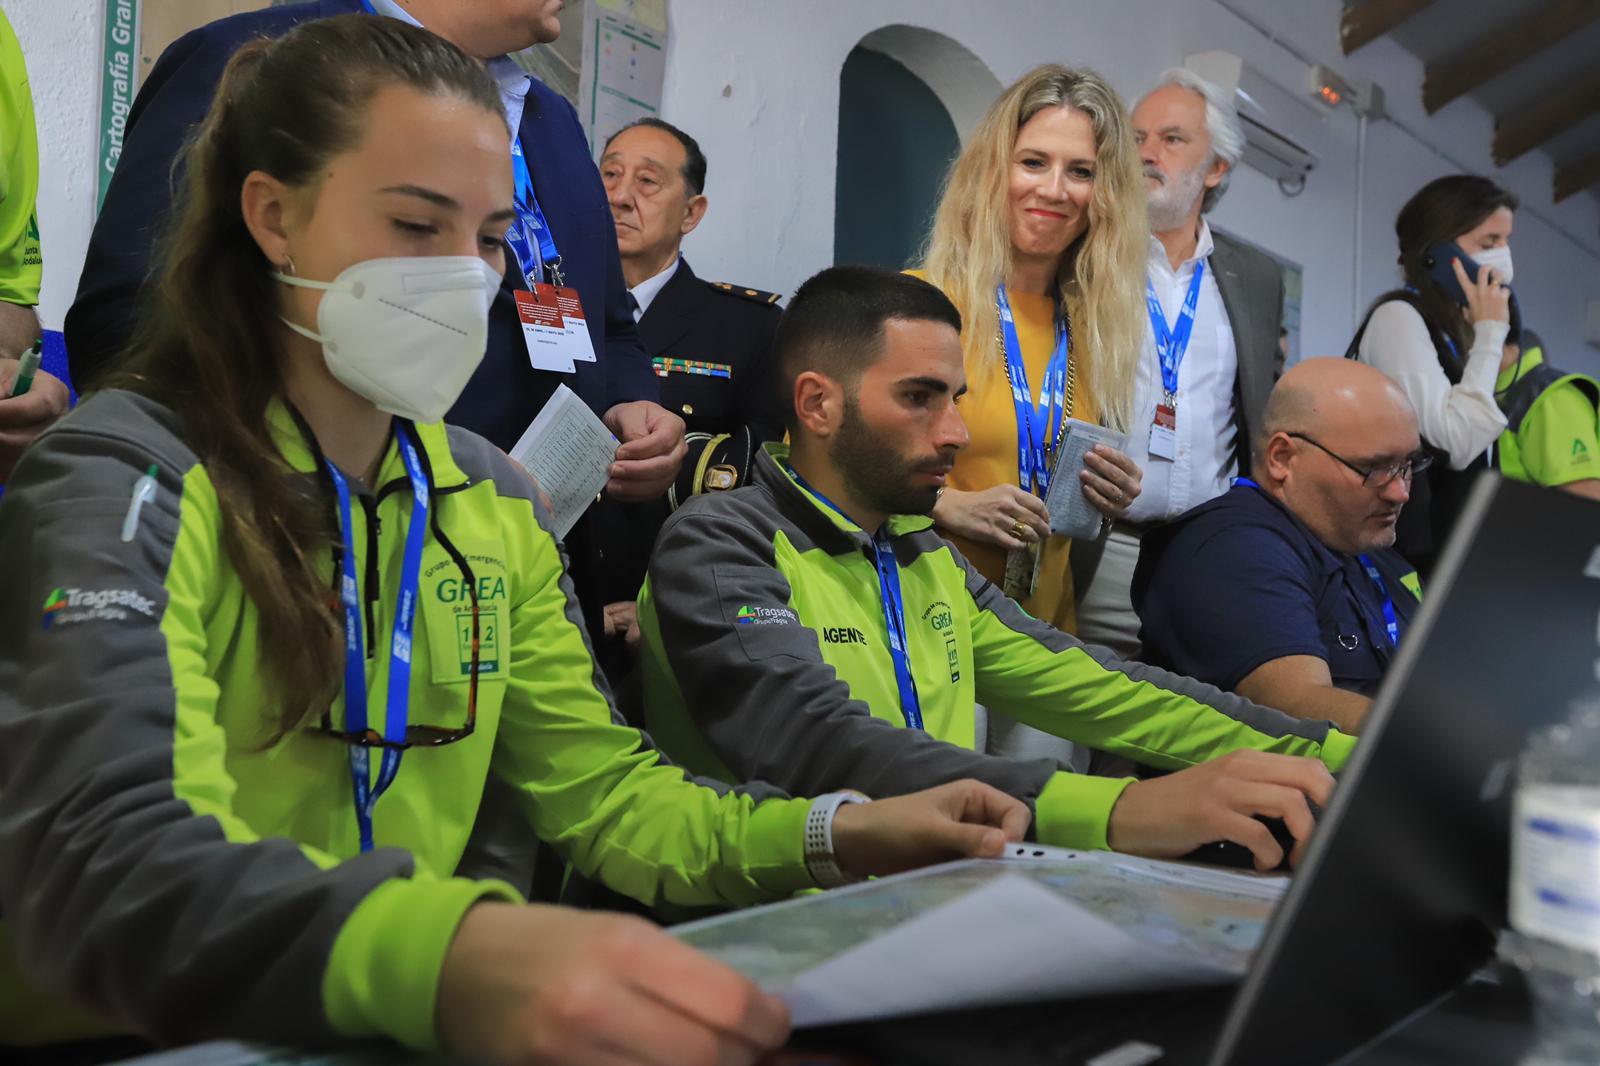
<point x="1071" y="513"/>
<point x="568" y="450"/>
<point x="971" y="933"/>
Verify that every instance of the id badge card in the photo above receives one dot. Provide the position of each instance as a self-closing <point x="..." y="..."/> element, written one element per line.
<point x="1022" y="571"/>
<point x="1164" y="431"/>
<point x="580" y="344"/>
<point x="544" y="330"/>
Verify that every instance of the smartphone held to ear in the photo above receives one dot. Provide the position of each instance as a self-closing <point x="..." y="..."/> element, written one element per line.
<point x="1437" y="261"/>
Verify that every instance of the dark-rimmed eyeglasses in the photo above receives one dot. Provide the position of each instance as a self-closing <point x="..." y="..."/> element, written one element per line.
<point x="1377" y="477"/>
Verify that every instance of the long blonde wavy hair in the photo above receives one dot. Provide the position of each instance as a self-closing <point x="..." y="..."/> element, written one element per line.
<point x="969" y="247"/>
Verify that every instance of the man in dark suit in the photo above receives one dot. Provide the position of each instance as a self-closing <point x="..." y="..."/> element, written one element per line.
<point x="1216" y="309"/>
<point x="710" y="342"/>
<point x="506" y="392"/>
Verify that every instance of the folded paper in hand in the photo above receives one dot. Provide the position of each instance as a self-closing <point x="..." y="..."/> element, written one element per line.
<point x="568" y="450"/>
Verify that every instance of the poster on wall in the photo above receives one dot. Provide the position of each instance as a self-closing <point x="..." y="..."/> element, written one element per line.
<point x="1293" y="275"/>
<point x="624" y="65"/>
<point x="609" y="61"/>
<point x="136" y="33"/>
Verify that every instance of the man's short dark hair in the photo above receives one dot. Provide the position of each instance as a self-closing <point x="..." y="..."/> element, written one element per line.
<point x="834" y="324"/>
<point x="694" y="160"/>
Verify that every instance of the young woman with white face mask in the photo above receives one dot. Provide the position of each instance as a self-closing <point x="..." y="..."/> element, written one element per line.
<point x="1446" y="354"/>
<point x="272" y="629"/>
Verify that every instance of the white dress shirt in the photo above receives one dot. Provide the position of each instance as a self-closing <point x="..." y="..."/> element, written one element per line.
<point x="1462" y="420"/>
<point x="646" y="290"/>
<point x="1207" y="432"/>
<point x="513" y="79"/>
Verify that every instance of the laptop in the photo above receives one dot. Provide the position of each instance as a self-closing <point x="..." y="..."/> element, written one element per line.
<point x="1404" y="887"/>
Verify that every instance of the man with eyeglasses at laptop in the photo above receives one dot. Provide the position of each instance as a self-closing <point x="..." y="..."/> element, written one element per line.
<point x="1287" y="589"/>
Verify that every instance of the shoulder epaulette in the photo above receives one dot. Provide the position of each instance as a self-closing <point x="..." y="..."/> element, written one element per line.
<point x="756" y="295"/>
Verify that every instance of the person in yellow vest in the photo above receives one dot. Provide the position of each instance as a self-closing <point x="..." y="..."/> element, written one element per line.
<point x="1551" y="423"/>
<point x="21" y="263"/>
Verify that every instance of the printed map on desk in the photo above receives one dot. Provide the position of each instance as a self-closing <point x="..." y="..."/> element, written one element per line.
<point x="988" y="931"/>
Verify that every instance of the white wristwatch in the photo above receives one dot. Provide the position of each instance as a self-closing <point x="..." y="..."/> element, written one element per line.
<point x="821" y="862"/>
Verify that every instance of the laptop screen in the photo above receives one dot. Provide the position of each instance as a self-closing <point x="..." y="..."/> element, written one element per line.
<point x="1404" y="888"/>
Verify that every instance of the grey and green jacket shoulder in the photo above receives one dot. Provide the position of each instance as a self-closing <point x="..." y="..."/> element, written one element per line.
<point x="765" y="656"/>
<point x="169" y="869"/>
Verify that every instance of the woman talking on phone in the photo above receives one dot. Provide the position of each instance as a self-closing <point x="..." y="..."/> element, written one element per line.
<point x="1442" y="338"/>
<point x="271" y="628"/>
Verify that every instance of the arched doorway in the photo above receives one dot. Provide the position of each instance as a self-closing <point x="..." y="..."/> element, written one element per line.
<point x="908" y="98"/>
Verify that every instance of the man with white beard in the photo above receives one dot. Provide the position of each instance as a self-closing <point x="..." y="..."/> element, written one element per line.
<point x="1212" y="355"/>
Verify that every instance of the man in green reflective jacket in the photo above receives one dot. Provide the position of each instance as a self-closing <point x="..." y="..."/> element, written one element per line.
<point x="812" y="629"/>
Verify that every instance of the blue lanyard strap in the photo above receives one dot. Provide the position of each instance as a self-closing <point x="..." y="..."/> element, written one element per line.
<point x="355" y="679"/>
<point x="894" y="609"/>
<point x="528" y="236"/>
<point x="1391" y="624"/>
<point x="1039" y="426"/>
<point x="1449" y="341"/>
<point x="1171" y="344"/>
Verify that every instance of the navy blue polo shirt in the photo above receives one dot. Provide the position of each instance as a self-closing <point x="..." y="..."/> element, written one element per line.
<point x="1239" y="581"/>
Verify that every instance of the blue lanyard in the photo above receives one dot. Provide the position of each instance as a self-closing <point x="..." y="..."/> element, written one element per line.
<point x="355" y="656"/>
<point x="894" y="609"/>
<point x="537" y="254"/>
<point x="1171" y="344"/>
<point x="1391" y="624"/>
<point x="1449" y="341"/>
<point x="1037" y="427"/>
<point x="528" y="236"/>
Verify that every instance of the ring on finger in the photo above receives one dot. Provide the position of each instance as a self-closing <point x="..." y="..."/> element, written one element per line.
<point x="1018" y="528"/>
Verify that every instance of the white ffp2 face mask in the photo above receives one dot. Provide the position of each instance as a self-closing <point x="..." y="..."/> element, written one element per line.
<point x="404" y="332"/>
<point x="1497" y="259"/>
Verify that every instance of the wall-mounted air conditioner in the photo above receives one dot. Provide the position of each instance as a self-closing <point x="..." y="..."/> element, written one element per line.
<point x="1279" y="127"/>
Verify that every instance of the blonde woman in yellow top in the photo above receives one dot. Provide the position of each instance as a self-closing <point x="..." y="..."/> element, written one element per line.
<point x="1042" y="214"/>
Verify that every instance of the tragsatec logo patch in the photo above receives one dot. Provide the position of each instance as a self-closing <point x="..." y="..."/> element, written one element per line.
<point x="64" y="607"/>
<point x="766" y="616"/>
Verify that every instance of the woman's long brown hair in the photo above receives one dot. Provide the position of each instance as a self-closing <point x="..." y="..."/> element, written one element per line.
<point x="1441" y="211"/>
<point x="209" y="343"/>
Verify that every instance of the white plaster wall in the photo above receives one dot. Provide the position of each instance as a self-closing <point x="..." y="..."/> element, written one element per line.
<point x="766" y="112"/>
<point x="61" y="45"/>
<point x="757" y="82"/>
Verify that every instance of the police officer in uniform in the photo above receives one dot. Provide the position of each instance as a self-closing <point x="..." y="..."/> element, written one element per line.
<point x="709" y="342"/>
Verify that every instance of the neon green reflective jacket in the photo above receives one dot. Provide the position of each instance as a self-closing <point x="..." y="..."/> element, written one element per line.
<point x="765" y="657"/>
<point x="21" y="263"/>
<point x="168" y="868"/>
<point x="1552" y="434"/>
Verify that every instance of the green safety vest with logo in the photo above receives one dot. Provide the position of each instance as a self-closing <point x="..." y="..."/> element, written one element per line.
<point x="1552" y="434"/>
<point x="21" y="262"/>
<point x="174" y="870"/>
<point x="765" y="656"/>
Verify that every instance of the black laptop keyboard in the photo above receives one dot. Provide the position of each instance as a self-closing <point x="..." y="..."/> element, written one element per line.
<point x="1182" y="1024"/>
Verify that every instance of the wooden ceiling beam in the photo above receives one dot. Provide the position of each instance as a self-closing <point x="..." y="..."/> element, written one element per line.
<point x="1524" y="130"/>
<point x="1512" y="42"/>
<point x="1364" y="21"/>
<point x="1573" y="178"/>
